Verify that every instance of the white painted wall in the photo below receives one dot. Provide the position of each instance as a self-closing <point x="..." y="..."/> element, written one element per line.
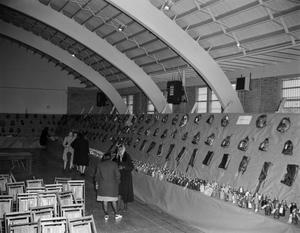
<point x="30" y="84"/>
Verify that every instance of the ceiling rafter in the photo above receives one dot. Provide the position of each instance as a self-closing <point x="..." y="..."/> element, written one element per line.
<point x="63" y="6"/>
<point x="238" y="27"/>
<point x="257" y="38"/>
<point x="280" y="22"/>
<point x="106" y="21"/>
<point x="269" y="58"/>
<point x="260" y="63"/>
<point x="258" y="59"/>
<point x="286" y="55"/>
<point x="96" y="13"/>
<point x="226" y="14"/>
<point x="280" y="57"/>
<point x="236" y="64"/>
<point x="250" y="23"/>
<point x="76" y="12"/>
<point x="248" y="40"/>
<point x="233" y="67"/>
<point x="110" y="23"/>
<point x="222" y="25"/>
<point x="193" y="10"/>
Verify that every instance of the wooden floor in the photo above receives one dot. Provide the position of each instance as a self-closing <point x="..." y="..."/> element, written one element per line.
<point x="139" y="218"/>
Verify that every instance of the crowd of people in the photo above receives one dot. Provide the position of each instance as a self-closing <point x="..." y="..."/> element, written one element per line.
<point x="113" y="177"/>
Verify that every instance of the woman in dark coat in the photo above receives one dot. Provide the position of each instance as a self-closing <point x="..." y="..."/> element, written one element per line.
<point x="107" y="184"/>
<point x="81" y="152"/>
<point x="125" y="166"/>
<point x="44" y="140"/>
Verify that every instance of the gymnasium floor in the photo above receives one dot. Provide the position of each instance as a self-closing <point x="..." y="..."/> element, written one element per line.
<point x="139" y="218"/>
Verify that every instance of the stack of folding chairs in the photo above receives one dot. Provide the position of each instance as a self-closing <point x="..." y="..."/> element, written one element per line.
<point x="34" y="207"/>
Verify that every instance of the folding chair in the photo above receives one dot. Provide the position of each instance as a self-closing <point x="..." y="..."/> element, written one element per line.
<point x="66" y="198"/>
<point x="84" y="224"/>
<point x="78" y="188"/>
<point x="15" y="188"/>
<point x="35" y="189"/>
<point x="31" y="227"/>
<point x="16" y="218"/>
<point x="53" y="225"/>
<point x="4" y="179"/>
<point x="35" y="183"/>
<point x="42" y="212"/>
<point x="48" y="199"/>
<point x="72" y="211"/>
<point x="26" y="201"/>
<point x="63" y="181"/>
<point x="54" y="187"/>
<point x="6" y="204"/>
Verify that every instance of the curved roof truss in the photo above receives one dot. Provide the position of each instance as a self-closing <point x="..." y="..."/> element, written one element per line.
<point x="151" y="18"/>
<point x="62" y="23"/>
<point x="54" y="51"/>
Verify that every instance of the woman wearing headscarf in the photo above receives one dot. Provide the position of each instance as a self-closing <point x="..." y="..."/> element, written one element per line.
<point x="125" y="166"/>
<point x="107" y="184"/>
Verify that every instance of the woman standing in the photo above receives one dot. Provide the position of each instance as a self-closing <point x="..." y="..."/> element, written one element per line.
<point x="125" y="166"/>
<point x="107" y="184"/>
<point x="81" y="152"/>
<point x="68" y="153"/>
<point x="44" y="141"/>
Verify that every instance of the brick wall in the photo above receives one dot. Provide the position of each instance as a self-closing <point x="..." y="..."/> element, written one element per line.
<point x="82" y="100"/>
<point x="264" y="96"/>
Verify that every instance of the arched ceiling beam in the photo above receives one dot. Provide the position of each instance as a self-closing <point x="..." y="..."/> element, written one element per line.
<point x="45" y="14"/>
<point x="159" y="24"/>
<point x="50" y="49"/>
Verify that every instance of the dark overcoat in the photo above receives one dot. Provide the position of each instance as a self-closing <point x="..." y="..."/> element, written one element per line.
<point x="108" y="179"/>
<point x="126" y="187"/>
<point x="81" y="151"/>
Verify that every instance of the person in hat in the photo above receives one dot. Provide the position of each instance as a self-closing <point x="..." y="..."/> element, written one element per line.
<point x="125" y="166"/>
<point x="107" y="184"/>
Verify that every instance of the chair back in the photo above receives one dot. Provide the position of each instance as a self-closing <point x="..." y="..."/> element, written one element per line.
<point x="11" y="218"/>
<point x="31" y="227"/>
<point x="15" y="188"/>
<point x="6" y="205"/>
<point x="83" y="224"/>
<point x="35" y="183"/>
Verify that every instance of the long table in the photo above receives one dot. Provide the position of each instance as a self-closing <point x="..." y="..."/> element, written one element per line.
<point x="207" y="214"/>
<point x="18" y="157"/>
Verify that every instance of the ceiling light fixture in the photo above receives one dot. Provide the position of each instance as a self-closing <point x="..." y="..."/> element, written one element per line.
<point x="167" y="5"/>
<point x="121" y="27"/>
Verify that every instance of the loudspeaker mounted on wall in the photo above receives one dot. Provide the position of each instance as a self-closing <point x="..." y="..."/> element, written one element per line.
<point x="243" y="83"/>
<point x="175" y="92"/>
<point x="101" y="99"/>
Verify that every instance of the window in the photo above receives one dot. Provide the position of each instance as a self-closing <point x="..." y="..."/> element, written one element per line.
<point x="165" y="93"/>
<point x="201" y="99"/>
<point x="291" y="91"/>
<point x="150" y="107"/>
<point x="207" y="101"/>
<point x="215" y="105"/>
<point x="128" y="100"/>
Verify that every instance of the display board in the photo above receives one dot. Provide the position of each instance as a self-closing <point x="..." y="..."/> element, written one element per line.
<point x="239" y="148"/>
<point x="248" y="160"/>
